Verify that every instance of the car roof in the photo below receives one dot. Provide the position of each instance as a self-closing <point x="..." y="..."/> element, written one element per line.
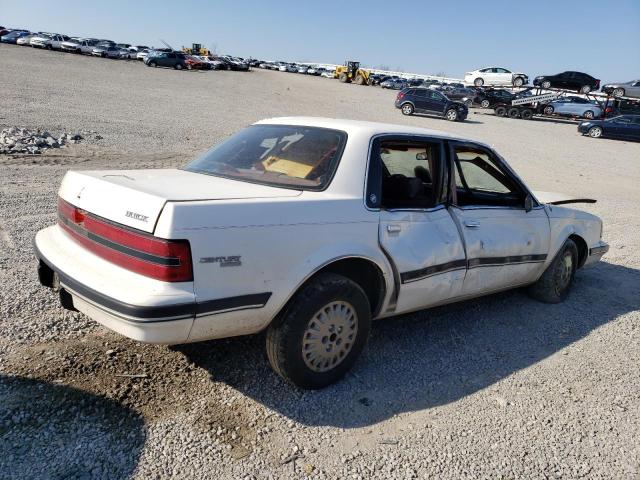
<point x="358" y="126"/>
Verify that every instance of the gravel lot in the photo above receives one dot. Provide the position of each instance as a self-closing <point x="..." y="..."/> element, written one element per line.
<point x="500" y="387"/>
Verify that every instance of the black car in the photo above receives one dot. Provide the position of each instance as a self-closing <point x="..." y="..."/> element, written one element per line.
<point x="492" y="96"/>
<point x="624" y="127"/>
<point x="424" y="100"/>
<point x="461" y="94"/>
<point x="176" y="60"/>
<point x="578" y="81"/>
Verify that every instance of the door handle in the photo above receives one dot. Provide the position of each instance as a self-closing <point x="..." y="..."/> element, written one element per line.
<point x="471" y="224"/>
<point x="393" y="228"/>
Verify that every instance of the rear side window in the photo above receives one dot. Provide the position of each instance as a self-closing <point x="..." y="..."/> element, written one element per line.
<point x="280" y="155"/>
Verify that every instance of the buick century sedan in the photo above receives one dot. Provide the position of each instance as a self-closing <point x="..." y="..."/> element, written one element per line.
<point x="307" y="228"/>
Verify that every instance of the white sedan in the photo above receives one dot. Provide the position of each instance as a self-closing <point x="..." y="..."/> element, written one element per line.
<point x="495" y="76"/>
<point x="307" y="228"/>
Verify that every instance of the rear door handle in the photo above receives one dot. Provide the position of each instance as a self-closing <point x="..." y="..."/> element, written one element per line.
<point x="471" y="224"/>
<point x="393" y="228"/>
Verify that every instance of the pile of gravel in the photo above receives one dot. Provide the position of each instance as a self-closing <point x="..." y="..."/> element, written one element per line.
<point x="17" y="140"/>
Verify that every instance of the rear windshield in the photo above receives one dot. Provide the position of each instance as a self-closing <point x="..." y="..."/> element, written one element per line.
<point x="281" y="155"/>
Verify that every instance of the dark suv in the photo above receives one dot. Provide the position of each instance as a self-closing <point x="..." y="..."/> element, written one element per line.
<point x="175" y="60"/>
<point x="424" y="100"/>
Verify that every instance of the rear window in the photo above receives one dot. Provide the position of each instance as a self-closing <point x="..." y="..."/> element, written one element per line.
<point x="280" y="155"/>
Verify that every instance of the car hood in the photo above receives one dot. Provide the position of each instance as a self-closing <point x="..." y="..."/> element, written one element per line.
<point x="555" y="198"/>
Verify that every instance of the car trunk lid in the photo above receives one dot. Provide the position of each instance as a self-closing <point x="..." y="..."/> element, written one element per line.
<point x="135" y="198"/>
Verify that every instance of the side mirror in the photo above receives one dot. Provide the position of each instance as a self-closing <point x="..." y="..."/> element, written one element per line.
<point x="528" y="203"/>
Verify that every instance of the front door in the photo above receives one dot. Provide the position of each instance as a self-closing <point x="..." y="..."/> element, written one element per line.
<point x="505" y="244"/>
<point x="407" y="178"/>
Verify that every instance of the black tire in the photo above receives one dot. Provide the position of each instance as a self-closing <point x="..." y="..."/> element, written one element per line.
<point x="478" y="82"/>
<point x="407" y="109"/>
<point x="514" y="113"/>
<point x="548" y="110"/>
<point x="178" y="66"/>
<point x="554" y="284"/>
<point x="526" y="114"/>
<point x="359" y="80"/>
<point x="451" y="115"/>
<point x="344" y="78"/>
<point x="287" y="335"/>
<point x="518" y="82"/>
<point x="153" y="64"/>
<point x="618" y="92"/>
<point x="595" y="132"/>
<point x="485" y="103"/>
<point x="500" y="111"/>
<point x="546" y="84"/>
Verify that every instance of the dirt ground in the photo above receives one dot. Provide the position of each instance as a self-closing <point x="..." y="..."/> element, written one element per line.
<point x="499" y="387"/>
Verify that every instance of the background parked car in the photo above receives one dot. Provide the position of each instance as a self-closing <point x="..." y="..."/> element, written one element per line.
<point x="578" y="81"/>
<point x="175" y="60"/>
<point x="495" y="76"/>
<point x="624" y="127"/>
<point x="13" y="36"/>
<point x="26" y="40"/>
<point x="574" y="107"/>
<point x="110" y="51"/>
<point x="51" y="41"/>
<point x="626" y="89"/>
<point x="425" y="100"/>
<point x="394" y="83"/>
<point x="489" y="97"/>
<point x="464" y="95"/>
<point x="83" y="45"/>
<point x="142" y="54"/>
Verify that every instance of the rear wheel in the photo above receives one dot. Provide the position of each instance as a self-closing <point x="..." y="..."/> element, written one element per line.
<point x="514" y="113"/>
<point x="344" y="78"/>
<point x="153" y="64"/>
<point x="618" y="92"/>
<point x="478" y="82"/>
<point x="485" y="103"/>
<point x="548" y="110"/>
<point x="500" y="111"/>
<point x="451" y="115"/>
<point x="178" y="66"/>
<point x="526" y="114"/>
<point x="585" y="89"/>
<point x="518" y="82"/>
<point x="407" y="109"/>
<point x="554" y="284"/>
<point x="588" y="114"/>
<point x="595" y="132"/>
<point x="321" y="333"/>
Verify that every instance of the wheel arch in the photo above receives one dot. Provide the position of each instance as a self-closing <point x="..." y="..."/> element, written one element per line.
<point x="583" y="249"/>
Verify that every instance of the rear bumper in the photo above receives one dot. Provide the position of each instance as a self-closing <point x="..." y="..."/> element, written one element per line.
<point x="164" y="313"/>
<point x="596" y="252"/>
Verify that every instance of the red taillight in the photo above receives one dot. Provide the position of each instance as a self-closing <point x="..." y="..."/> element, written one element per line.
<point x="166" y="260"/>
<point x="400" y="96"/>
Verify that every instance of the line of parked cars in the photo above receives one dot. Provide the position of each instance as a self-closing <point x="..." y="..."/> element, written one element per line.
<point x="297" y="68"/>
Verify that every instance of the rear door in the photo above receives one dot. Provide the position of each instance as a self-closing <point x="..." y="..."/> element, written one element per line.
<point x="407" y="183"/>
<point x="505" y="244"/>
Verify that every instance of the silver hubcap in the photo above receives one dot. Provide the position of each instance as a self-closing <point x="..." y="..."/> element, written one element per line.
<point x="329" y="336"/>
<point x="485" y="104"/>
<point x="406" y="109"/>
<point x="618" y="92"/>
<point x="588" y="114"/>
<point x="595" y="132"/>
<point x="548" y="110"/>
<point x="451" y="115"/>
<point x="478" y="82"/>
<point x="546" y="85"/>
<point x="566" y="269"/>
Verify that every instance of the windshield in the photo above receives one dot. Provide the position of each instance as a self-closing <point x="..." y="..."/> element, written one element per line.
<point x="281" y="155"/>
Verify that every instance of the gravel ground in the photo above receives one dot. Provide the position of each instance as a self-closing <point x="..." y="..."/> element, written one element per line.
<point x="500" y="387"/>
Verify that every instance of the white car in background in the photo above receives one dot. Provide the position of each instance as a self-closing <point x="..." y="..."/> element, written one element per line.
<point x="142" y="54"/>
<point x="26" y="40"/>
<point x="79" y="45"/>
<point x="328" y="74"/>
<point x="48" y="41"/>
<point x="495" y="76"/>
<point x="307" y="228"/>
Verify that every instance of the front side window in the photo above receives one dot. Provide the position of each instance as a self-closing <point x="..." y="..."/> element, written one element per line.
<point x="480" y="180"/>
<point x="280" y="155"/>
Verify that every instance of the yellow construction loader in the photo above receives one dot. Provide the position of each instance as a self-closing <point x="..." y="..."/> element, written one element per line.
<point x="196" y="49"/>
<point x="351" y="72"/>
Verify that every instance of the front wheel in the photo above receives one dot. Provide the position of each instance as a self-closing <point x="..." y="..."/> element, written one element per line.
<point x="618" y="92"/>
<point x="153" y="64"/>
<point x="595" y="132"/>
<point x="344" y="78"/>
<point x="321" y="333"/>
<point x="585" y="89"/>
<point x="485" y="103"/>
<point x="360" y="80"/>
<point x="478" y="82"/>
<point x="407" y="109"/>
<point x="451" y="115"/>
<point x="554" y="284"/>
<point x="546" y="84"/>
<point x="518" y="82"/>
<point x="588" y="114"/>
<point x="514" y="113"/>
<point x="178" y="66"/>
<point x="526" y="114"/>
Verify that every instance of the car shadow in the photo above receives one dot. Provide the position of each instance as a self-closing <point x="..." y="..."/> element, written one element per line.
<point x="436" y="117"/>
<point x="433" y="357"/>
<point x="55" y="431"/>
